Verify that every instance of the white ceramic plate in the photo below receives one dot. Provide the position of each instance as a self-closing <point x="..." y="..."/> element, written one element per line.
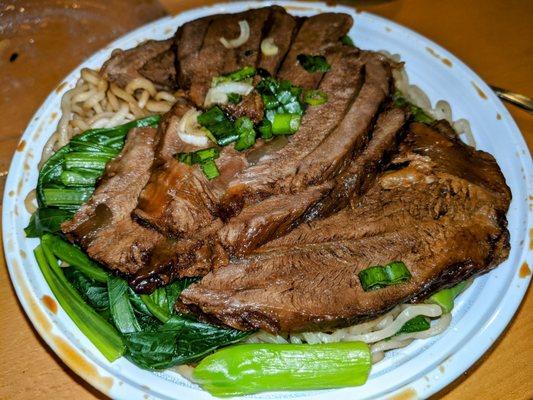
<point x="416" y="371"/>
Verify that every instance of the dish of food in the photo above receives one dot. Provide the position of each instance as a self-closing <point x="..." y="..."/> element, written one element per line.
<point x="256" y="204"/>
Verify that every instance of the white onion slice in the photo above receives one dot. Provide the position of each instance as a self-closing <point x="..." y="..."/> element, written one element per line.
<point x="190" y="131"/>
<point x="219" y="93"/>
<point x="243" y="37"/>
<point x="268" y="47"/>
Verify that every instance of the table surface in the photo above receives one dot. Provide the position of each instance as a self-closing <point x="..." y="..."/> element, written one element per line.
<point x="41" y="41"/>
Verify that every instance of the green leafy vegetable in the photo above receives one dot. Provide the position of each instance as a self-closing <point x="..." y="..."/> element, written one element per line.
<point x="416" y="324"/>
<point x="120" y="306"/>
<point x="74" y="257"/>
<point x="178" y="341"/>
<point x="313" y="63"/>
<point x="62" y="197"/>
<point x="80" y="177"/>
<point x="51" y="171"/>
<point x="251" y="368"/>
<point x="94" y="326"/>
<point x="109" y="140"/>
<point x="380" y="276"/>
<point x="93" y="292"/>
<point x="445" y="297"/>
<point x="347" y="40"/>
<point x="315" y="97"/>
<point x="45" y="220"/>
<point x="245" y="129"/>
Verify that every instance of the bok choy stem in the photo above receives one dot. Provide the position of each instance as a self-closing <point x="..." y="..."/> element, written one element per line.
<point x="251" y="368"/>
<point x="74" y="257"/>
<point x="106" y="339"/>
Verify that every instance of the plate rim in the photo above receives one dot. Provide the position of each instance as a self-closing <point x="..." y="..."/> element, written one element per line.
<point x="507" y="302"/>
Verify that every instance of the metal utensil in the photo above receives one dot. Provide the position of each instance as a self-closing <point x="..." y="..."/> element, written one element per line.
<point x="517" y="99"/>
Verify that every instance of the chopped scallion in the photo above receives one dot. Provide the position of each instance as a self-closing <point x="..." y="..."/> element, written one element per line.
<point x="285" y="124"/>
<point x="210" y="169"/>
<point x="380" y="276"/>
<point x="239" y="75"/>
<point x="245" y="129"/>
<point x="313" y="63"/>
<point x="234" y="98"/>
<point x="315" y="97"/>
<point x="216" y="122"/>
<point x="347" y="40"/>
<point x="200" y="156"/>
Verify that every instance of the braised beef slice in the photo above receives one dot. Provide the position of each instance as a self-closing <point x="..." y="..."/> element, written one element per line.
<point x="251" y="106"/>
<point x="103" y="226"/>
<point x="281" y="29"/>
<point x="440" y="209"/>
<point x="197" y="68"/>
<point x="317" y="36"/>
<point x="126" y="65"/>
<point x="266" y="220"/>
<point x="161" y="69"/>
<point x="311" y="156"/>
<point x="359" y="175"/>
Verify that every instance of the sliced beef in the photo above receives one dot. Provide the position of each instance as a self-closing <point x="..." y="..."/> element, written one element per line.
<point x="267" y="220"/>
<point x="198" y="66"/>
<point x="281" y="29"/>
<point x="351" y="134"/>
<point x="360" y="173"/>
<point x="178" y="199"/>
<point x="251" y="106"/>
<point x="103" y="226"/>
<point x="317" y="36"/>
<point x="161" y="69"/>
<point x="311" y="155"/>
<point x="432" y="210"/>
<point x="126" y="65"/>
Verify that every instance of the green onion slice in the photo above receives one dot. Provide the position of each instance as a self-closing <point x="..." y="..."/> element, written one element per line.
<point x="285" y="124"/>
<point x="315" y="97"/>
<point x="378" y="276"/>
<point x="234" y="98"/>
<point x="245" y="128"/>
<point x="235" y="76"/>
<point x="200" y="156"/>
<point x="347" y="40"/>
<point x="210" y="169"/>
<point x="216" y="122"/>
<point x="313" y="63"/>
